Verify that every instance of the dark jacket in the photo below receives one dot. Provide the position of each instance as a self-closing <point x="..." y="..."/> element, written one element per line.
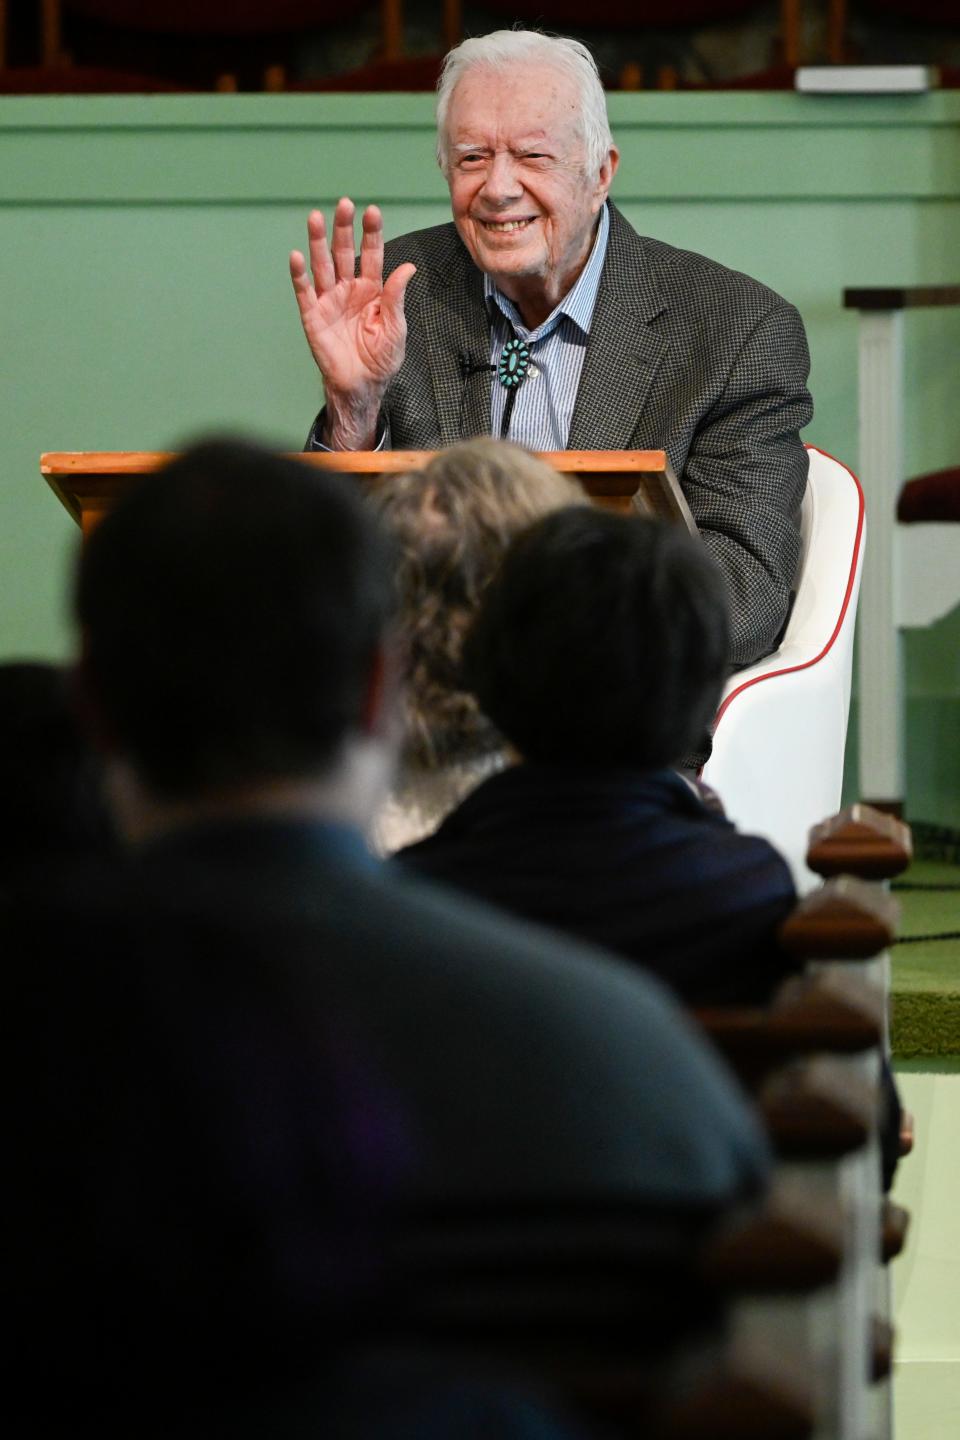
<point x="684" y="355"/>
<point x="238" y="1059"/>
<point x="631" y="861"/>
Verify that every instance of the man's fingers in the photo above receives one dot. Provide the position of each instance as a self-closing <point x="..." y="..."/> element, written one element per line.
<point x="324" y="277"/>
<point x="371" y="246"/>
<point x="302" y="284"/>
<point x="391" y="303"/>
<point x="344" y="253"/>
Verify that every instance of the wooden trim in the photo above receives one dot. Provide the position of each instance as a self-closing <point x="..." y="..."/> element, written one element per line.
<point x="860" y="841"/>
<point x="452" y="12"/>
<point x="817" y="1109"/>
<point x="794" y="1243"/>
<point x="837" y="32"/>
<point x="900" y="297"/>
<point x="846" y="919"/>
<point x="882" y="1338"/>
<point x="809" y="1013"/>
<point x="51" y="33"/>
<point x="88" y="482"/>
<point x="756" y="1393"/>
<point x="391" y="29"/>
<point x="790" y="32"/>
<point x="895" y="1222"/>
<point x="56" y="463"/>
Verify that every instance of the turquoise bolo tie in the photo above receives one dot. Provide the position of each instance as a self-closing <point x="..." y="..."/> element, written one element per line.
<point x="514" y="363"/>
<point x="511" y="372"/>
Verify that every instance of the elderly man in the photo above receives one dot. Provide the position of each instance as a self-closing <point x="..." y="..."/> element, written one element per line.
<point x="541" y="315"/>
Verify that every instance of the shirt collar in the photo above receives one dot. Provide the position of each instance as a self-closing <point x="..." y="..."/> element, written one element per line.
<point x="579" y="302"/>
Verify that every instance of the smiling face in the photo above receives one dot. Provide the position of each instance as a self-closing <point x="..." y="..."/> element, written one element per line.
<point x="523" y="202"/>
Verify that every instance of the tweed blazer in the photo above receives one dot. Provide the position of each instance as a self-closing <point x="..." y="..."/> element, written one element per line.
<point x="684" y="355"/>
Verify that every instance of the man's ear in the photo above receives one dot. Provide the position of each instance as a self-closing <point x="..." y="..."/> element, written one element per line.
<point x="607" y="171"/>
<point x="378" y="707"/>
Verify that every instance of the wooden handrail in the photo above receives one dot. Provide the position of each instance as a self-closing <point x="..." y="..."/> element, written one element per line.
<point x="900" y="297"/>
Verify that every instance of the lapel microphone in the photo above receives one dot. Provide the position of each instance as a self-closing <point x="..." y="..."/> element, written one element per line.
<point x="469" y="366"/>
<point x="511" y="370"/>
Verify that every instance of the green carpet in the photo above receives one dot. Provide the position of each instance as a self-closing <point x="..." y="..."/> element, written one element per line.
<point x="926" y="971"/>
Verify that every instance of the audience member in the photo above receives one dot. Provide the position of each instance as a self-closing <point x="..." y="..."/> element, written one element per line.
<point x="599" y="652"/>
<point x="241" y="1052"/>
<point x="452" y="522"/>
<point x="50" y="779"/>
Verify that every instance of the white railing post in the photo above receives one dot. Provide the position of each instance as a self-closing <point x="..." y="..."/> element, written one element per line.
<point x="881" y="473"/>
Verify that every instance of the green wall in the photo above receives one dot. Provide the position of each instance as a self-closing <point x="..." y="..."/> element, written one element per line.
<point x="144" y="296"/>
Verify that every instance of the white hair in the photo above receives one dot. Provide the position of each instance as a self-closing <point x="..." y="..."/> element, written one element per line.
<point x="503" y="48"/>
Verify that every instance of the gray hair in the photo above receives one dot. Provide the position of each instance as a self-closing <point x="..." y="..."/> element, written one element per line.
<point x="503" y="48"/>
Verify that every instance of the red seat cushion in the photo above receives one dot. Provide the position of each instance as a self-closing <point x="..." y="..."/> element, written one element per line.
<point x="82" y="80"/>
<point x="212" y="17"/>
<point x="626" y="14"/>
<point x="933" y="12"/>
<point x="931" y="497"/>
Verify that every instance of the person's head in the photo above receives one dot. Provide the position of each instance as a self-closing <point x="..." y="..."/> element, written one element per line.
<point x="602" y="642"/>
<point x="51" y="790"/>
<point x="453" y="521"/>
<point x="232" y="610"/>
<point x="524" y="143"/>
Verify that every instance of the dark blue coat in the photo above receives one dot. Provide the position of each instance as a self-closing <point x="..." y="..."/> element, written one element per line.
<point x="631" y="861"/>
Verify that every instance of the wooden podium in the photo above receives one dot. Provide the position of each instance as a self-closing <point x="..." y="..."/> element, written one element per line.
<point x="88" y="482"/>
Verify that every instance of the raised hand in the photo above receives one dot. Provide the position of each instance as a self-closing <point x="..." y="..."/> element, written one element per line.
<point x="354" y="323"/>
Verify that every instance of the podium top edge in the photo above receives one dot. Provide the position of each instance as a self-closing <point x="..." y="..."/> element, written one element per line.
<point x="103" y="462"/>
<point x="142" y="462"/>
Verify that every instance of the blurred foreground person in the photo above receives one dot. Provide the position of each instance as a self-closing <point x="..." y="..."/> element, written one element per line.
<point x="51" y="785"/>
<point x="242" y="1062"/>
<point x="452" y="522"/>
<point x="599" y="652"/>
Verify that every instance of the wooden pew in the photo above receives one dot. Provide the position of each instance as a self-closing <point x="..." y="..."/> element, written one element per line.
<point x="758" y="1326"/>
<point x="848" y="926"/>
<point x="619" y="1313"/>
<point x="812" y="1059"/>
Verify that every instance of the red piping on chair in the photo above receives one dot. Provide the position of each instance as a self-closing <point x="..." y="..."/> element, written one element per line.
<point x="789" y="669"/>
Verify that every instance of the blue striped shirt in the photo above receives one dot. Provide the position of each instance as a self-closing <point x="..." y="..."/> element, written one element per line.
<point x="544" y="402"/>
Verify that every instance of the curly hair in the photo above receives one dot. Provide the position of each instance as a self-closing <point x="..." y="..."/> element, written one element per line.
<point x="452" y="522"/>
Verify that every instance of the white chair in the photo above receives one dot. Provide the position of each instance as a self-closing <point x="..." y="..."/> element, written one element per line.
<point x="780" y="731"/>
